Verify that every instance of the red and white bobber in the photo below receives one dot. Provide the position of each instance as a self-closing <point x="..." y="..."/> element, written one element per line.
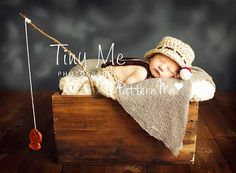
<point x="185" y="73"/>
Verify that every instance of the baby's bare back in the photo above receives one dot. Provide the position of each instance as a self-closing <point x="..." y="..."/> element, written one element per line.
<point x="130" y="73"/>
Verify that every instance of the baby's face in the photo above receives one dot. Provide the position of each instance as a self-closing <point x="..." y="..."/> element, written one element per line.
<point x="162" y="66"/>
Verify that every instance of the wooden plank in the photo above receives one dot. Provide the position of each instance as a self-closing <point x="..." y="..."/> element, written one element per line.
<point x="83" y="169"/>
<point x="11" y="154"/>
<point x="224" y="103"/>
<point x="43" y="160"/>
<point x="104" y="169"/>
<point x="222" y="127"/>
<point x="209" y="157"/>
<point x="97" y="129"/>
<point x="169" y="169"/>
<point x="14" y="143"/>
<point x="228" y="146"/>
<point x="11" y="101"/>
<point x="227" y="101"/>
<point x="11" y="104"/>
<point x="215" y="152"/>
<point x="203" y="131"/>
<point x="126" y="169"/>
<point x="217" y="119"/>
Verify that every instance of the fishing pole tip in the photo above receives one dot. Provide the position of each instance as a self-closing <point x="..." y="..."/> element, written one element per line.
<point x="22" y="15"/>
<point x="25" y="17"/>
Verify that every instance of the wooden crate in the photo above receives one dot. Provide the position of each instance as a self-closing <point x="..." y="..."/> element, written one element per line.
<point x="97" y="130"/>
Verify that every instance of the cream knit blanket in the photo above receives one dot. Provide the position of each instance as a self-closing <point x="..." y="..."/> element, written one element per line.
<point x="160" y="106"/>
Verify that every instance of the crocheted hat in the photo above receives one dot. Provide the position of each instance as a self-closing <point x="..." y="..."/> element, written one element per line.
<point x="178" y="51"/>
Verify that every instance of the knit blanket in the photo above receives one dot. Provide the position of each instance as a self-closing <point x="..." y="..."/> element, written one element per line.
<point x="160" y="106"/>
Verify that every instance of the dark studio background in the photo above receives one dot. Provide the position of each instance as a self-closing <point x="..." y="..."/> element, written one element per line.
<point x="134" y="26"/>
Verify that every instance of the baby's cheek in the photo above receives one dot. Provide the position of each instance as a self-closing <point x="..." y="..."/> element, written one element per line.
<point x="165" y="75"/>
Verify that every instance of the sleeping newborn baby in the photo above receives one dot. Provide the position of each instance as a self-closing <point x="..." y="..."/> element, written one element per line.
<point x="172" y="58"/>
<point x="134" y="69"/>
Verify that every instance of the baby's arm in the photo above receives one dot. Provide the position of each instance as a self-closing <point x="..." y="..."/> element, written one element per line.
<point x="138" y="75"/>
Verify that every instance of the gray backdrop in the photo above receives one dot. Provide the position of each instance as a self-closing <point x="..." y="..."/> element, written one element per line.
<point x="134" y="26"/>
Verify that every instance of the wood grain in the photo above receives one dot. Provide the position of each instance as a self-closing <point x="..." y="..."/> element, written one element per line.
<point x="215" y="147"/>
<point x="98" y="130"/>
<point x="15" y="130"/>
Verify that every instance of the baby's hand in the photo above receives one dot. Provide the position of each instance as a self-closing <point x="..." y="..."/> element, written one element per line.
<point x="176" y="76"/>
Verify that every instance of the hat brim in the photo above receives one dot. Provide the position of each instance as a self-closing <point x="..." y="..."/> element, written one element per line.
<point x="169" y="53"/>
<point x="150" y="53"/>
